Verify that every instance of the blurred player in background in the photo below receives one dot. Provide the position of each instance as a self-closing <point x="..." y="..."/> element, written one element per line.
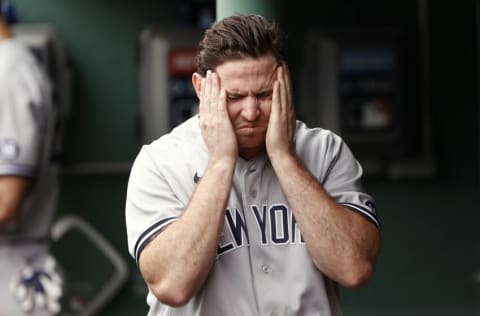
<point x="29" y="284"/>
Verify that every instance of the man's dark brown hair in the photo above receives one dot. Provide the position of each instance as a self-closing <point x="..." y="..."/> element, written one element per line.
<point x="237" y="37"/>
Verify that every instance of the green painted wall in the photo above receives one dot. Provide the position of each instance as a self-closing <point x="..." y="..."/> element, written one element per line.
<point x="431" y="247"/>
<point x="267" y="8"/>
<point x="100" y="37"/>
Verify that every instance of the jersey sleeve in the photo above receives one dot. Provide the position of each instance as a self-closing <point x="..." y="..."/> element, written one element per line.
<point x="151" y="203"/>
<point x="342" y="180"/>
<point x="22" y="122"/>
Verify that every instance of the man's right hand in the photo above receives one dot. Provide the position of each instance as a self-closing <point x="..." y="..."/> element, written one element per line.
<point x="175" y="272"/>
<point x="217" y="130"/>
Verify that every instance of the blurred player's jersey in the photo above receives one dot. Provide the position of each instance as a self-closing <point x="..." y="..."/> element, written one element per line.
<point x="27" y="127"/>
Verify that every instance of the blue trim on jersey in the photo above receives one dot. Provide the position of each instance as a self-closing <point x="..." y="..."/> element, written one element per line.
<point x="16" y="170"/>
<point x="147" y="235"/>
<point x="365" y="212"/>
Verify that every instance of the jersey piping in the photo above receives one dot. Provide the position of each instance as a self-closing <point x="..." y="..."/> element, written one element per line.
<point x="26" y="171"/>
<point x="365" y="212"/>
<point x="144" y="239"/>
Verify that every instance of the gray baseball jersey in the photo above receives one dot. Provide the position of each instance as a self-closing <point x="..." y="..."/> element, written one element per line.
<point x="26" y="133"/>
<point x="263" y="266"/>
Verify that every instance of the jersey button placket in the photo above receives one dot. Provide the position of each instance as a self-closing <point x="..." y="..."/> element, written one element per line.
<point x="251" y="171"/>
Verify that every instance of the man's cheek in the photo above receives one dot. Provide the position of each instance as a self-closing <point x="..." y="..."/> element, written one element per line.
<point x="233" y="111"/>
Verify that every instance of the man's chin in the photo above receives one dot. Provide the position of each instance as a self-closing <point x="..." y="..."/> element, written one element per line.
<point x="251" y="145"/>
<point x="251" y="141"/>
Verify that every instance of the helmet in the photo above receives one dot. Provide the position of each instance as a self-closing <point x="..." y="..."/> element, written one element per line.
<point x="8" y="11"/>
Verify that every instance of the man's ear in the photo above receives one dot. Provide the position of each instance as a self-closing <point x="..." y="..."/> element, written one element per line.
<point x="197" y="83"/>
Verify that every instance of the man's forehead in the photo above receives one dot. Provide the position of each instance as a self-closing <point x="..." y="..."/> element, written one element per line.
<point x="258" y="65"/>
<point x="247" y="74"/>
<point x="239" y="87"/>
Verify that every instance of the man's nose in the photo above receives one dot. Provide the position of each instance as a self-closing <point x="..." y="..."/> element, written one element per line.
<point x="251" y="108"/>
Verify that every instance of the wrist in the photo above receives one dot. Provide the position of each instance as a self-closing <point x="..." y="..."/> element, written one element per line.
<point x="283" y="159"/>
<point x="223" y="165"/>
<point x="285" y="165"/>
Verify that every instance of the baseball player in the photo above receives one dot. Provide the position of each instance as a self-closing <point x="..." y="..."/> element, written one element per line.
<point x="243" y="210"/>
<point x="29" y="283"/>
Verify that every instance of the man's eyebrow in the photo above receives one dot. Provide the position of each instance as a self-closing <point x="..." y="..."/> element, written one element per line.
<point x="266" y="89"/>
<point x="240" y="93"/>
<point x="236" y="93"/>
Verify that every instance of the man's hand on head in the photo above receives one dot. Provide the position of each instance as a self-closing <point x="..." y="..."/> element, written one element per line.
<point x="217" y="130"/>
<point x="282" y="122"/>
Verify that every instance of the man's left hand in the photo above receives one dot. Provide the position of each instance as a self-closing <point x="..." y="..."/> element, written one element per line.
<point x="282" y="122"/>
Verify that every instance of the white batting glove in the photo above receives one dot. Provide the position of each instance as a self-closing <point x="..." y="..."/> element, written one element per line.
<point x="38" y="287"/>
